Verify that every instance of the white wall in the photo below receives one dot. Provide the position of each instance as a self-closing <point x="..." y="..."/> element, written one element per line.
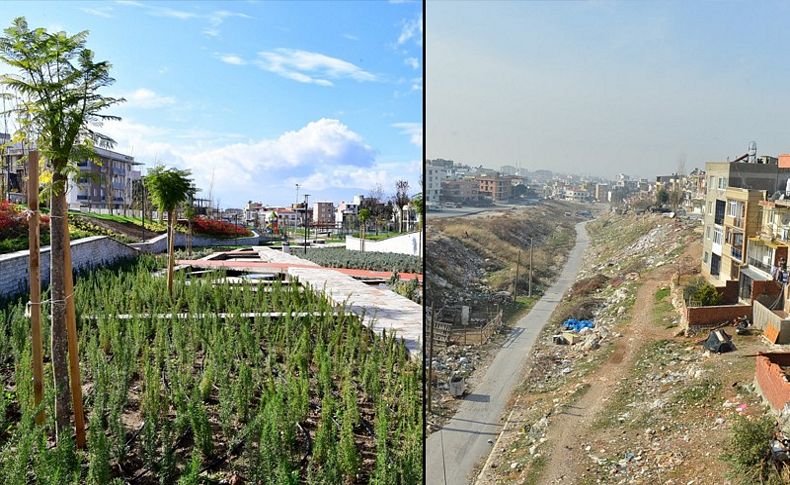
<point x="407" y="244"/>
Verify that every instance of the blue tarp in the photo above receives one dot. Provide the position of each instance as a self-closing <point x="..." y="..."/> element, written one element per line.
<point x="576" y="325"/>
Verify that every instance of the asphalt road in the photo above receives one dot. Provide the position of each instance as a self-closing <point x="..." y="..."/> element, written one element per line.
<point x="465" y="211"/>
<point x="453" y="451"/>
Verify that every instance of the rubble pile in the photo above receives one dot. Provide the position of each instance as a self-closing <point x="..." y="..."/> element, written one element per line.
<point x="673" y="381"/>
<point x="652" y="249"/>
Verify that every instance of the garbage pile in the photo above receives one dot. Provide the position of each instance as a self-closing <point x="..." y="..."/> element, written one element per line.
<point x="578" y="331"/>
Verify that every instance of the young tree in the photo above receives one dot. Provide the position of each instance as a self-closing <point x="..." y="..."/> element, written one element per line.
<point x="662" y="196"/>
<point x="58" y="84"/>
<point x="400" y="199"/>
<point x="363" y="216"/>
<point x="417" y="204"/>
<point x="169" y="188"/>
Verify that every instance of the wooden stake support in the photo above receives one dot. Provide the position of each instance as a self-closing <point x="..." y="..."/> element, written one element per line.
<point x="35" y="284"/>
<point x="71" y="330"/>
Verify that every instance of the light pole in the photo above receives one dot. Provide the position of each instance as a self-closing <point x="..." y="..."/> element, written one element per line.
<point x="296" y="221"/>
<point x="306" y="227"/>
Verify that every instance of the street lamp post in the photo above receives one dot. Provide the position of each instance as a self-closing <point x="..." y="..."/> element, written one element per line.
<point x="296" y="219"/>
<point x="306" y="227"/>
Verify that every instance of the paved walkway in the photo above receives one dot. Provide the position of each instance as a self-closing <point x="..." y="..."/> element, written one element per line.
<point x="453" y="452"/>
<point x="381" y="310"/>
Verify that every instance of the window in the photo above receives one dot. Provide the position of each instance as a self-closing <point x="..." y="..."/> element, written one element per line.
<point x="733" y="208"/>
<point x="717" y="236"/>
<point x="705" y="257"/>
<point x="722" y="183"/>
<point x="707" y="232"/>
<point x="710" y="208"/>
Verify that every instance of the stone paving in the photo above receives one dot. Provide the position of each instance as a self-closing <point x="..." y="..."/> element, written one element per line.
<point x="382" y="310"/>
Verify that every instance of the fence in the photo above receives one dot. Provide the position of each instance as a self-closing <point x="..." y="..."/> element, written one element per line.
<point x="445" y="333"/>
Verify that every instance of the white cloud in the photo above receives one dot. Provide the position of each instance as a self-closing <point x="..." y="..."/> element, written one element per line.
<point x="231" y="59"/>
<point x="412" y="62"/>
<point x="411" y="29"/>
<point x="350" y="37"/>
<point x="416" y="84"/>
<point x="412" y="130"/>
<point x="310" y="67"/>
<point x="325" y="157"/>
<point x="214" y="19"/>
<point x="100" y="11"/>
<point x="146" y="99"/>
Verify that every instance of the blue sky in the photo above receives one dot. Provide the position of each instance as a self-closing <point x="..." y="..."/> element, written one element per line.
<point x="606" y="87"/>
<point x="261" y="95"/>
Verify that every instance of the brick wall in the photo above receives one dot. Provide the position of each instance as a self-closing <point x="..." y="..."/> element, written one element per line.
<point x="770" y="289"/>
<point x="729" y="292"/>
<point x="85" y="253"/>
<point x="704" y="316"/>
<point x="771" y="380"/>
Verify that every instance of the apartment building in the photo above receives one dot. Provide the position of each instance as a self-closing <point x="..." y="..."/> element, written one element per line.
<point x="732" y="216"/>
<point x="105" y="183"/>
<point x="460" y="190"/>
<point x="495" y="187"/>
<point x="324" y="212"/>
<point x="435" y="172"/>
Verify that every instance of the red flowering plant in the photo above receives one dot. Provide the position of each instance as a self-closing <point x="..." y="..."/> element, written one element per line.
<point x="13" y="220"/>
<point x="212" y="227"/>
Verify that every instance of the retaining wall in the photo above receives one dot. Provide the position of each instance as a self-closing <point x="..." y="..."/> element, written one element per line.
<point x="86" y="253"/>
<point x="159" y="243"/>
<point x="771" y="379"/>
<point x="775" y="326"/>
<point x="406" y="244"/>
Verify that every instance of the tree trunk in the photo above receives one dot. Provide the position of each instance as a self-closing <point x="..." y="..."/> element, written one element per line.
<point x="171" y="257"/>
<point x="71" y="331"/>
<point x="60" y="369"/>
<point x="110" y="195"/>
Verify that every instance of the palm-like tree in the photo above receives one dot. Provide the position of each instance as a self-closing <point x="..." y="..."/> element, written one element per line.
<point x="57" y="83"/>
<point x="169" y="188"/>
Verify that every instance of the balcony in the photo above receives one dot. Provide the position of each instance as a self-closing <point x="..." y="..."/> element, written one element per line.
<point x="759" y="264"/>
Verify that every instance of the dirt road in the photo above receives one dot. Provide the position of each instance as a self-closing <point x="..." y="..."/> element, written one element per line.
<point x="564" y="433"/>
<point x="453" y="452"/>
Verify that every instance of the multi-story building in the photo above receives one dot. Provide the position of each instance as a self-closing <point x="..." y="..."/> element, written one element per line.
<point x="602" y="192"/>
<point x="346" y="212"/>
<point x="103" y="183"/>
<point x="435" y="172"/>
<point x="253" y="212"/>
<point x="324" y="212"/>
<point x="723" y="245"/>
<point x="495" y="187"/>
<point x="769" y="247"/>
<point x="460" y="190"/>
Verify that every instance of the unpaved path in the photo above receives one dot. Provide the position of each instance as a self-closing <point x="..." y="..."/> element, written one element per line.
<point x="565" y="459"/>
<point x="453" y="452"/>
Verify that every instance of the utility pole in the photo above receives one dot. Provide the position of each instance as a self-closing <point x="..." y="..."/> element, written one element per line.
<point x="430" y="359"/>
<point x="35" y="285"/>
<point x="515" y="281"/>
<point x="306" y="227"/>
<point x="530" y="268"/>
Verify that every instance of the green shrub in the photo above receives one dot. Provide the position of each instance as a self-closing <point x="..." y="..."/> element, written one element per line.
<point x="749" y="450"/>
<point x="343" y="258"/>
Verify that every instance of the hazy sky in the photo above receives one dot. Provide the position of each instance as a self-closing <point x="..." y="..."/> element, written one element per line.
<point x="263" y="95"/>
<point x="606" y="87"/>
